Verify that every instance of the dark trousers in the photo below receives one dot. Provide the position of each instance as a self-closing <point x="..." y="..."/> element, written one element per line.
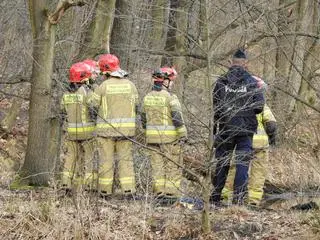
<point x="242" y="145"/>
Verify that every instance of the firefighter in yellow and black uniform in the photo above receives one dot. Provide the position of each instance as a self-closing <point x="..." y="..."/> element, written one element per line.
<point x="77" y="167"/>
<point x="116" y="101"/>
<point x="265" y="137"/>
<point x="165" y="131"/>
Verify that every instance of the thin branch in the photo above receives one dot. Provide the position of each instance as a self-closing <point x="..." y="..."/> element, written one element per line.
<point x="14" y="95"/>
<point x="281" y="34"/>
<point x="297" y="98"/>
<point x="170" y="53"/>
<point x="20" y="80"/>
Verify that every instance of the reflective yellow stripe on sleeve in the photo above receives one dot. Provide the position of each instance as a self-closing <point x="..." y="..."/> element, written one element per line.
<point x="106" y="181"/>
<point x="126" y="180"/>
<point x="161" y="130"/>
<point x="81" y="129"/>
<point x="181" y="130"/>
<point x="116" y="123"/>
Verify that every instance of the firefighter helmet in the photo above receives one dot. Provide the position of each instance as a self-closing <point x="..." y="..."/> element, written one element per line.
<point x="79" y="72"/>
<point x="158" y="75"/>
<point x="108" y="63"/>
<point x="93" y="64"/>
<point x="163" y="73"/>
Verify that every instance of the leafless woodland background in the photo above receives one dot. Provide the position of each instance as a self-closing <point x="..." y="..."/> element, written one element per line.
<point x="197" y="37"/>
<point x="282" y="38"/>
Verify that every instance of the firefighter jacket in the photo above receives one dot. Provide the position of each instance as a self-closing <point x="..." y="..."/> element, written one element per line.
<point x="116" y="101"/>
<point x="265" y="120"/>
<point x="237" y="99"/>
<point x="80" y="125"/>
<point x="162" y="117"/>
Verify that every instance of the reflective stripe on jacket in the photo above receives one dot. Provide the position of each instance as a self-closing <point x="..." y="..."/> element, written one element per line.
<point x="116" y="100"/>
<point x="79" y="126"/>
<point x="158" y="107"/>
<point x="260" y="139"/>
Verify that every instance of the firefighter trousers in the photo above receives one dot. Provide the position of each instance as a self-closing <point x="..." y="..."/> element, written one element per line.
<point x="257" y="176"/>
<point x="115" y="152"/>
<point x="78" y="164"/>
<point x="167" y="176"/>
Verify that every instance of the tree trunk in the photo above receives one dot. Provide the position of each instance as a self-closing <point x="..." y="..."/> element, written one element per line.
<point x="181" y="45"/>
<point x="304" y="23"/>
<point x="98" y="36"/>
<point x="36" y="167"/>
<point x="283" y="59"/>
<point x="55" y="143"/>
<point x="206" y="227"/>
<point x="171" y="33"/>
<point x="269" y="46"/>
<point x="160" y="18"/>
<point x="269" y="71"/>
<point x="122" y="31"/>
<point x="310" y="64"/>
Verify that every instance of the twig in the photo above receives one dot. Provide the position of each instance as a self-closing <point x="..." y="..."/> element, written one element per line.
<point x="14" y="95"/>
<point x="298" y="98"/>
<point x="21" y="80"/>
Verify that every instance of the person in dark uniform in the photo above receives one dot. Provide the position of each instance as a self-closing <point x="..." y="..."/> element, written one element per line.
<point x="236" y="100"/>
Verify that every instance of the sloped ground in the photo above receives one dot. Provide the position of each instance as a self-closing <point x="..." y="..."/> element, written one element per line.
<point x="48" y="214"/>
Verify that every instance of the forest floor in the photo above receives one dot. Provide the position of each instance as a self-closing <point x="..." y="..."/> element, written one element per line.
<point x="50" y="214"/>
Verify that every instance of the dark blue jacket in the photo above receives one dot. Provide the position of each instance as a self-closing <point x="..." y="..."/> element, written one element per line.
<point x="236" y="101"/>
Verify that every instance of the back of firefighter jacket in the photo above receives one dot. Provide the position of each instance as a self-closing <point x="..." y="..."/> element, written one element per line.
<point x="79" y="124"/>
<point x="159" y="108"/>
<point x="116" y="100"/>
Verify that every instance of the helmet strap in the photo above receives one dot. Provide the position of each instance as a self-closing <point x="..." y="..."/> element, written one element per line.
<point x="169" y="81"/>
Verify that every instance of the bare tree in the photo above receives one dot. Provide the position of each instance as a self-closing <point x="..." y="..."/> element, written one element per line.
<point x="158" y="36"/>
<point x="98" y="36"/>
<point x="36" y="168"/>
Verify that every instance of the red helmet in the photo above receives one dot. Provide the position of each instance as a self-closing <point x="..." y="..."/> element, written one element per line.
<point x="108" y="63"/>
<point x="80" y="72"/>
<point x="92" y="63"/>
<point x="164" y="73"/>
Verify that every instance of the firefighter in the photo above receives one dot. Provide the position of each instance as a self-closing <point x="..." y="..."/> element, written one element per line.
<point x="80" y="126"/>
<point x="165" y="132"/>
<point x="265" y="137"/>
<point x="237" y="99"/>
<point x="116" y="101"/>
